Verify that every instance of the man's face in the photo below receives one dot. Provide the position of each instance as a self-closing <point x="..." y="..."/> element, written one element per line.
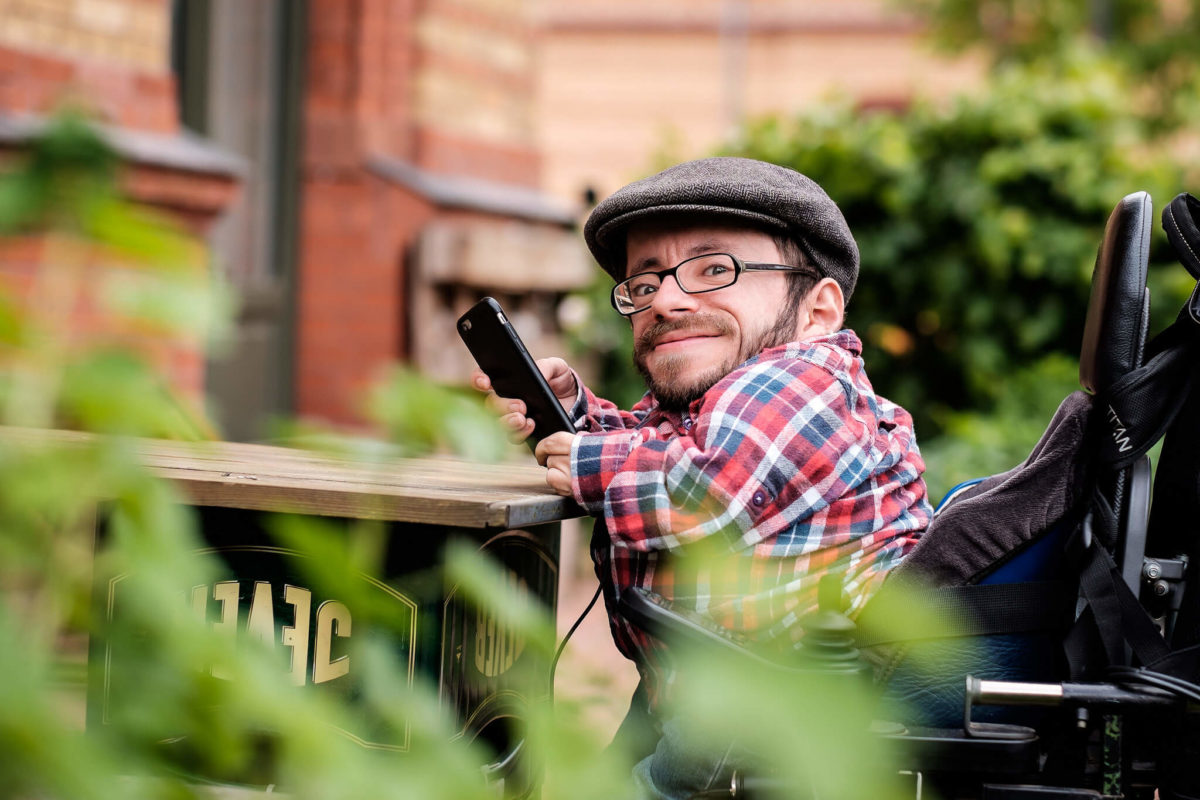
<point x="685" y="343"/>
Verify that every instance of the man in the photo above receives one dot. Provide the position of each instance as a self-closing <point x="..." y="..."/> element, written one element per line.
<point x="760" y="438"/>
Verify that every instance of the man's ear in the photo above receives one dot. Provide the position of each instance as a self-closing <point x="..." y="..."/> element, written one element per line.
<point x="824" y="310"/>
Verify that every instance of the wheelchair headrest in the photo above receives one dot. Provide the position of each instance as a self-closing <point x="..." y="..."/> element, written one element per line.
<point x="1114" y="336"/>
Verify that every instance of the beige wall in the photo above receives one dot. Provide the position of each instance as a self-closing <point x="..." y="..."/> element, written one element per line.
<point x="130" y="33"/>
<point x="473" y="93"/>
<point x="476" y="70"/>
<point x="626" y="79"/>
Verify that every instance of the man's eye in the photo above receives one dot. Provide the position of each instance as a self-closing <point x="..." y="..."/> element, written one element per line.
<point x="642" y="290"/>
<point x="716" y="268"/>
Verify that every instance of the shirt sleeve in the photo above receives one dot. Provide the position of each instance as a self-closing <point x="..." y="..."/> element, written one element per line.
<point x="592" y="413"/>
<point x="773" y="443"/>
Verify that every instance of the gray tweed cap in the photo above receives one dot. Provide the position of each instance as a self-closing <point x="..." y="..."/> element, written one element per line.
<point x="767" y="195"/>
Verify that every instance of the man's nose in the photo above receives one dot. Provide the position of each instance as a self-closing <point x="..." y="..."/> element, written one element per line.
<point x="671" y="299"/>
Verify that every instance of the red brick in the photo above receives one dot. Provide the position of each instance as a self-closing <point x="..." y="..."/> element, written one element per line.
<point x="440" y="151"/>
<point x="179" y="359"/>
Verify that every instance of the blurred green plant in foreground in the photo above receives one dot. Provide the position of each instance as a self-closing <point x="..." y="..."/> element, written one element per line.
<point x="180" y="727"/>
<point x="136" y="272"/>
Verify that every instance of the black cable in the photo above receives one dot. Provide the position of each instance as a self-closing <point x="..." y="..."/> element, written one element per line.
<point x="570" y="633"/>
<point x="1158" y="680"/>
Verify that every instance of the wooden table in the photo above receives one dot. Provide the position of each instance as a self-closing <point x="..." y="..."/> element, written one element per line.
<point x="265" y="586"/>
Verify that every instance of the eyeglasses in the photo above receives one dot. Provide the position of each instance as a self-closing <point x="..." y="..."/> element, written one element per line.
<point x="696" y="275"/>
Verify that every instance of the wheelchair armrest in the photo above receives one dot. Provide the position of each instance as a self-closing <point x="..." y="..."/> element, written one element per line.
<point x="670" y="621"/>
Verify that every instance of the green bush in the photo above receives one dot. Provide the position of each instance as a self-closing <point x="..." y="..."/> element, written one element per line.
<point x="1150" y="40"/>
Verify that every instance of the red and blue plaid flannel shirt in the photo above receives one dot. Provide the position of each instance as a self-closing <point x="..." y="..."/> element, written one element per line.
<point x="789" y="467"/>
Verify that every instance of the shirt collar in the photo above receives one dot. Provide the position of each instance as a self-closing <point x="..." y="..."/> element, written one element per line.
<point x="844" y="339"/>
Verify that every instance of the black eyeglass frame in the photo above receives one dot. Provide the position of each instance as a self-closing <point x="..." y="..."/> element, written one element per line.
<point x="739" y="267"/>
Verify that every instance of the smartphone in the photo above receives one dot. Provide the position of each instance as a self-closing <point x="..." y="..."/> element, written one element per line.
<point x="499" y="352"/>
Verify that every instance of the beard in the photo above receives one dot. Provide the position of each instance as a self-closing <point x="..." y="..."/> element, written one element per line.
<point x="672" y="392"/>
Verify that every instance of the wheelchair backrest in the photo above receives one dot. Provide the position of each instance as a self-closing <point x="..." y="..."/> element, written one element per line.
<point x="994" y="557"/>
<point x="1118" y="316"/>
<point x="993" y="522"/>
<point x="1114" y="344"/>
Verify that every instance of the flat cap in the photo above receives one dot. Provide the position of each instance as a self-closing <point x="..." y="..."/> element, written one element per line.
<point x="766" y="195"/>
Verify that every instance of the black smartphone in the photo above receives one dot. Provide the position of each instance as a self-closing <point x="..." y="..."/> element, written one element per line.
<point x="499" y="352"/>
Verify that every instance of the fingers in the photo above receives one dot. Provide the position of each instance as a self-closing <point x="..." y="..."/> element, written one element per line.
<point x="557" y="374"/>
<point x="556" y="444"/>
<point x="558" y="476"/>
<point x="554" y="453"/>
<point x="511" y="414"/>
<point x="553" y="368"/>
<point x="562" y="381"/>
<point x="510" y="411"/>
<point x="502" y="406"/>
<point x="519" y="427"/>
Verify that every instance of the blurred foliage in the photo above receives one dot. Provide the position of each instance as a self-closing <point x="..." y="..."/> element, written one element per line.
<point x="1153" y="41"/>
<point x="184" y="728"/>
<point x="109" y="260"/>
<point x="976" y="444"/>
<point x="422" y="417"/>
<point x="138" y="279"/>
<point x="1146" y="48"/>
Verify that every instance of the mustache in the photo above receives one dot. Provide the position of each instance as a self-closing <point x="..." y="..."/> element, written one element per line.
<point x="702" y="323"/>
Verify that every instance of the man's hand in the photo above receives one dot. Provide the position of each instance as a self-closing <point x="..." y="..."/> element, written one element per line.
<point x="512" y="411"/>
<point x="554" y="453"/>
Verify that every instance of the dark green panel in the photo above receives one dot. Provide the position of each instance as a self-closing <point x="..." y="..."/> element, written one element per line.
<point x="270" y="590"/>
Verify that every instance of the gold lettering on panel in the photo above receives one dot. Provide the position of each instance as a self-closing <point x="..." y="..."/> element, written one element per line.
<point x="261" y="623"/>
<point x="200" y="602"/>
<point x="225" y="593"/>
<point x="497" y="645"/>
<point x="333" y="619"/>
<point x="296" y="636"/>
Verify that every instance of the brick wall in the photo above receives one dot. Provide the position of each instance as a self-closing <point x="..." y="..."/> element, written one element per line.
<point x="474" y="92"/>
<point x="110" y="58"/>
<point x="444" y="85"/>
<point x="356" y="95"/>
<point x="69" y="298"/>
<point x="350" y="312"/>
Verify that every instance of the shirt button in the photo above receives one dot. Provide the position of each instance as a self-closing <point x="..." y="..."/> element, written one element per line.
<point x="759" y="498"/>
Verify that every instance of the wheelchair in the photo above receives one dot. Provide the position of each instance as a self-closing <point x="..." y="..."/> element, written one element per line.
<point x="1072" y="578"/>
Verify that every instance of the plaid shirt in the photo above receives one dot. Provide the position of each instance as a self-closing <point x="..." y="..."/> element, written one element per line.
<point x="789" y="467"/>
